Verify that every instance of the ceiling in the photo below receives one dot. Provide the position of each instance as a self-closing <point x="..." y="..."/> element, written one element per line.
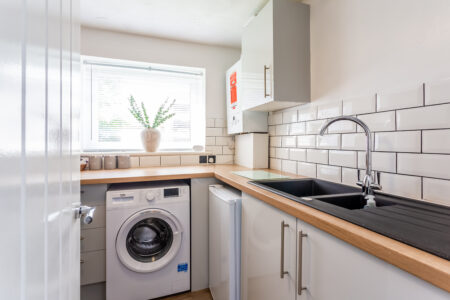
<point x="218" y="22"/>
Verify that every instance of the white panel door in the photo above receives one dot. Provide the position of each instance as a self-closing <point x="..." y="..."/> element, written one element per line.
<point x="39" y="159"/>
<point x="262" y="250"/>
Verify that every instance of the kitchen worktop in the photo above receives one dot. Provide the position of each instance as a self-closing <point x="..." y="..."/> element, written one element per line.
<point x="427" y="266"/>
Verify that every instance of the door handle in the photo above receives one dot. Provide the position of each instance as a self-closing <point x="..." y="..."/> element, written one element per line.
<point x="282" y="271"/>
<point x="301" y="235"/>
<point x="265" y="81"/>
<point x="85" y="212"/>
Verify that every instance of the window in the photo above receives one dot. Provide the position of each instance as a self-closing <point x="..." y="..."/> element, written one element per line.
<point x="107" y="123"/>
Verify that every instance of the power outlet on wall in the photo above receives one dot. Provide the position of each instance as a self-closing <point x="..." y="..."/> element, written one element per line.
<point x="211" y="159"/>
<point x="203" y="159"/>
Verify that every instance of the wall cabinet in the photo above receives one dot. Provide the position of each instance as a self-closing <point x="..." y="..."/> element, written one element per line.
<point x="319" y="266"/>
<point x="265" y="253"/>
<point x="275" y="57"/>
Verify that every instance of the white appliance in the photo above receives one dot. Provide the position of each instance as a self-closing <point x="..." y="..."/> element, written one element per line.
<point x="147" y="240"/>
<point x="238" y="120"/>
<point x="252" y="150"/>
<point x="224" y="242"/>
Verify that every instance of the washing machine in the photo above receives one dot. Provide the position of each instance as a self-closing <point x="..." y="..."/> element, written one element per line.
<point x="147" y="240"/>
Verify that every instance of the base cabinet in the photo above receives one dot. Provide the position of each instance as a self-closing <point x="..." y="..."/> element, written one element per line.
<point x="334" y="269"/>
<point x="263" y="247"/>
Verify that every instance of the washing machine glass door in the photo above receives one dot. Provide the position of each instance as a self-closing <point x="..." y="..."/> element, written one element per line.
<point x="148" y="240"/>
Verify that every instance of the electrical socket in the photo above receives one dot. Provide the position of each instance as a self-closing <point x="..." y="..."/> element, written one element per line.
<point x="211" y="159"/>
<point x="203" y="159"/>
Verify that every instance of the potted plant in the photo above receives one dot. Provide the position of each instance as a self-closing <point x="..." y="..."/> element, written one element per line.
<point x="150" y="135"/>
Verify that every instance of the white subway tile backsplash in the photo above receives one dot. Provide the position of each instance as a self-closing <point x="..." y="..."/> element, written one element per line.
<point x="317" y="156"/>
<point x="290" y="116"/>
<point x="329" y="141"/>
<point x="272" y="130"/>
<point x="282" y="129"/>
<point x="436" y="141"/>
<point x="407" y="186"/>
<point x="214" y="149"/>
<point x="359" y="105"/>
<point x="213" y="131"/>
<point x="226" y="150"/>
<point x="223" y="140"/>
<point x="429" y="165"/>
<point x="210" y="122"/>
<point x="437" y="92"/>
<point x="307" y="112"/>
<point x="399" y="141"/>
<point x="272" y="151"/>
<point x="289" y="141"/>
<point x="313" y="127"/>
<point x="275" y="118"/>
<point x="134" y="162"/>
<point x="343" y="158"/>
<point x="282" y="153"/>
<point x="297" y="154"/>
<point x="224" y="159"/>
<point x="436" y="190"/>
<point x="149" y="161"/>
<point x="306" y="169"/>
<point x="189" y="160"/>
<point x="342" y="127"/>
<point x="349" y="176"/>
<point x="220" y="123"/>
<point x="354" y="141"/>
<point x="306" y="141"/>
<point x="330" y="173"/>
<point x="410" y="97"/>
<point x="428" y="117"/>
<point x="289" y="166"/>
<point x="381" y="161"/>
<point x="275" y="163"/>
<point x="384" y="121"/>
<point x="172" y="160"/>
<point x="210" y="141"/>
<point x="329" y="110"/>
<point x="275" y="141"/>
<point x="297" y="128"/>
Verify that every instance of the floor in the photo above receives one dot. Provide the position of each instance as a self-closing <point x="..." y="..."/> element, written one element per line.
<point x="198" y="295"/>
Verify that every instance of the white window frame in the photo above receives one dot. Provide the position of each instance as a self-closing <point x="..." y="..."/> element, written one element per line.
<point x="87" y="111"/>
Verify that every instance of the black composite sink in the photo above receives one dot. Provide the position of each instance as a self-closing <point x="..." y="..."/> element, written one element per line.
<point x="417" y="223"/>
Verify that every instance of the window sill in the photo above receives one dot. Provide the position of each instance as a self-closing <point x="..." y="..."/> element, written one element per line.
<point x="138" y="153"/>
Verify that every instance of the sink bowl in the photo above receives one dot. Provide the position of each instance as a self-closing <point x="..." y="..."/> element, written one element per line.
<point x="351" y="201"/>
<point x="304" y="187"/>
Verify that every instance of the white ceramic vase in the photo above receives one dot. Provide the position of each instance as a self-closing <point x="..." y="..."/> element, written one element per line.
<point x="150" y="139"/>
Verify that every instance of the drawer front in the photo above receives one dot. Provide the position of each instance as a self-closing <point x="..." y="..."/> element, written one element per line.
<point x="92" y="267"/>
<point x="92" y="239"/>
<point x="99" y="218"/>
<point x="94" y="194"/>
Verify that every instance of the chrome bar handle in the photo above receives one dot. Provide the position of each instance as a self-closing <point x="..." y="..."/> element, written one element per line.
<point x="265" y="81"/>
<point x="301" y="235"/>
<point x="85" y="212"/>
<point x="282" y="271"/>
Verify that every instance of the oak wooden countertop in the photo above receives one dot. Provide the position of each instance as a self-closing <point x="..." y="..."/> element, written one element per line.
<point x="424" y="265"/>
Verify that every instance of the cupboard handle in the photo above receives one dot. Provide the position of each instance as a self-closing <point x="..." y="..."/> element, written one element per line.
<point x="282" y="271"/>
<point x="265" y="81"/>
<point x="301" y="235"/>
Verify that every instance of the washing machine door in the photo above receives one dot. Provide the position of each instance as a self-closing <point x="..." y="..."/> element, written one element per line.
<point x="148" y="240"/>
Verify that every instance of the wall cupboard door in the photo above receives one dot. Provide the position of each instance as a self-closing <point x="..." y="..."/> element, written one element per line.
<point x="263" y="249"/>
<point x="334" y="269"/>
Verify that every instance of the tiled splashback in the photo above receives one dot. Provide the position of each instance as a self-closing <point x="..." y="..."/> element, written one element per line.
<point x="218" y="143"/>
<point x="411" y="140"/>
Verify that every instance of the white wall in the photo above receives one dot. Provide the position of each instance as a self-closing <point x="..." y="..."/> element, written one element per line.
<point x="361" y="46"/>
<point x="216" y="60"/>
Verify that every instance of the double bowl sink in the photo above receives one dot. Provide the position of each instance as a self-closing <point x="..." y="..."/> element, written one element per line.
<point x="314" y="190"/>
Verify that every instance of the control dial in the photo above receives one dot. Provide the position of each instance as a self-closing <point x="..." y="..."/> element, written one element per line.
<point x="151" y="195"/>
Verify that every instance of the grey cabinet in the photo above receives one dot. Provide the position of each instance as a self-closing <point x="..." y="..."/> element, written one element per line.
<point x="275" y="57"/>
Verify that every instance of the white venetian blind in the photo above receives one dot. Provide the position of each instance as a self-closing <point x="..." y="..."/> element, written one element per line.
<point x="107" y="123"/>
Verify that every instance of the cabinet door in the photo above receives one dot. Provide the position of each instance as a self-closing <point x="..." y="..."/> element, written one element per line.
<point x="257" y="59"/>
<point x="262" y="250"/>
<point x="334" y="269"/>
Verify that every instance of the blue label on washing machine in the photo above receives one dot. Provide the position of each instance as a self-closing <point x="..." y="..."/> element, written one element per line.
<point x="183" y="267"/>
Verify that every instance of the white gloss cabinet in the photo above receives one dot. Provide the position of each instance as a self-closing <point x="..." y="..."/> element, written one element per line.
<point x="265" y="242"/>
<point x="334" y="269"/>
<point x="275" y="57"/>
